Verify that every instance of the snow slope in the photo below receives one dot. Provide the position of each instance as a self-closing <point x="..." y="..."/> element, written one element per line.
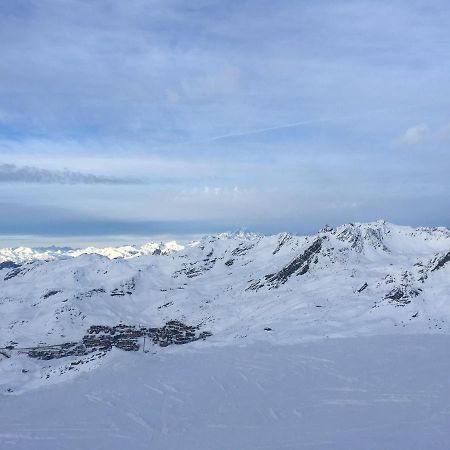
<point x="387" y="392"/>
<point x="265" y="299"/>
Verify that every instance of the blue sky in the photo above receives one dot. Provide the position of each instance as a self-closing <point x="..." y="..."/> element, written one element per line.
<point x="151" y="117"/>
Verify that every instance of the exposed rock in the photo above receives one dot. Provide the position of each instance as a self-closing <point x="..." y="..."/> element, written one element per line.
<point x="362" y="288"/>
<point x="357" y="236"/>
<point x="282" y="240"/>
<point x="13" y="273"/>
<point x="8" y="265"/>
<point x="326" y="229"/>
<point x="51" y="293"/>
<point x="402" y="295"/>
<point x="125" y="288"/>
<point x="242" y="249"/>
<point x="196" y="268"/>
<point x="298" y="266"/>
<point x="441" y="262"/>
<point x="165" y="305"/>
<point x="255" y="285"/>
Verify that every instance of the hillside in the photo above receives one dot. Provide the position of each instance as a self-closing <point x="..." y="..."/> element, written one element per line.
<point x="235" y="313"/>
<point x="358" y="279"/>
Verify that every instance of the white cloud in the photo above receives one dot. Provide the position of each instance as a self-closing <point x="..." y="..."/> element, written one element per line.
<point x="414" y="135"/>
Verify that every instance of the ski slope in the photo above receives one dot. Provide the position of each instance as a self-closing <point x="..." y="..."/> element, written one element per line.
<point x="388" y="392"/>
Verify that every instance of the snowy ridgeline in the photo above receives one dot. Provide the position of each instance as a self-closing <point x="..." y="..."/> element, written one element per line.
<point x="62" y="316"/>
<point x="17" y="255"/>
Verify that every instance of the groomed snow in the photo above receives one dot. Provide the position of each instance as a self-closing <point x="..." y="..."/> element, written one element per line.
<point x="387" y="392"/>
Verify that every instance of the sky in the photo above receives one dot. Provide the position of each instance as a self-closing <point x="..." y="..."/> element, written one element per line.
<point x="143" y="118"/>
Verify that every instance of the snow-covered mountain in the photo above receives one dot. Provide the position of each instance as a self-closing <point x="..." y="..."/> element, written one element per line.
<point x="357" y="279"/>
<point x="27" y="254"/>
<point x="258" y="314"/>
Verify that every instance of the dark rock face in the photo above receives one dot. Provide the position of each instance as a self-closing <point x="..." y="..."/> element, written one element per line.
<point x="375" y="238"/>
<point x="401" y="296"/>
<point x="362" y="288"/>
<point x="8" y="265"/>
<point x="355" y="237"/>
<point x="22" y="269"/>
<point x="284" y="239"/>
<point x="242" y="249"/>
<point x="51" y="293"/>
<point x="13" y="273"/>
<point x="298" y="266"/>
<point x="103" y="338"/>
<point x="126" y="288"/>
<point x="442" y="261"/>
<point x="326" y="229"/>
<point x="3" y="353"/>
<point x="197" y="268"/>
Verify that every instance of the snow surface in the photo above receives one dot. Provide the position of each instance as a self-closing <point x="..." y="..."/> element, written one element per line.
<point x="335" y="340"/>
<point x="387" y="392"/>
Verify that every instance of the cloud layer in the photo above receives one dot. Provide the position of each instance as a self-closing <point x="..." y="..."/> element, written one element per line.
<point x="269" y="115"/>
<point x="10" y="173"/>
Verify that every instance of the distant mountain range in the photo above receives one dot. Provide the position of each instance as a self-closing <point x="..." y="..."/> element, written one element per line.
<point x="28" y="254"/>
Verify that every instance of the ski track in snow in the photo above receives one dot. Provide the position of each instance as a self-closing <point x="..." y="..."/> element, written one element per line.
<point x="378" y="392"/>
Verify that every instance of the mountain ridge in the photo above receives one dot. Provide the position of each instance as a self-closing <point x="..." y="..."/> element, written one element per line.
<point x="353" y="280"/>
<point x="352" y="231"/>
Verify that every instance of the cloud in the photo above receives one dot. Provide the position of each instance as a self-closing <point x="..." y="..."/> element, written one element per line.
<point x="414" y="135"/>
<point x="132" y="91"/>
<point x="10" y="173"/>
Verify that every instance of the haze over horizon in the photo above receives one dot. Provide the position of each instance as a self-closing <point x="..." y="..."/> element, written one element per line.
<point x="135" y="119"/>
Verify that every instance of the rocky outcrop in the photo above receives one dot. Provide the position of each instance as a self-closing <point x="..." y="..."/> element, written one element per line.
<point x="402" y="295"/>
<point x="242" y="249"/>
<point x="125" y="288"/>
<point x="51" y="293"/>
<point x="282" y="240"/>
<point x="13" y="273"/>
<point x="8" y="265"/>
<point x="362" y="288"/>
<point x="298" y="266"/>
<point x="358" y="235"/>
<point x="441" y="262"/>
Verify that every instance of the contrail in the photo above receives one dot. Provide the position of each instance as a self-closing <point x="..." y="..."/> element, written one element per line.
<point x="278" y="127"/>
<point x="306" y="122"/>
